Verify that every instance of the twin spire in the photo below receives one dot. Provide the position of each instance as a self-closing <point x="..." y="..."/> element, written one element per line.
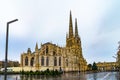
<point x="76" y="29"/>
<point x="71" y="27"/>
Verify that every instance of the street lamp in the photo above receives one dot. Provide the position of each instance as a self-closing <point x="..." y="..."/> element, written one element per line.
<point x="6" y="48"/>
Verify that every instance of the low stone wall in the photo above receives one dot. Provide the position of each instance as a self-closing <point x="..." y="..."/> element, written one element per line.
<point x="17" y="69"/>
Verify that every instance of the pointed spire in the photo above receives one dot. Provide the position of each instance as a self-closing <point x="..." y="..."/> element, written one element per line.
<point x="70" y="26"/>
<point x="66" y="35"/>
<point x="36" y="47"/>
<point x="41" y="44"/>
<point x="76" y="29"/>
<point x="29" y="51"/>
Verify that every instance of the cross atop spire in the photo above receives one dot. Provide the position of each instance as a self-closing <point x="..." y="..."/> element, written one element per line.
<point x="70" y="26"/>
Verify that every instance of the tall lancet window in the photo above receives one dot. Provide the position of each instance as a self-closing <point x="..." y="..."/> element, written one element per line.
<point x="66" y="62"/>
<point x="42" y="61"/>
<point x="59" y="61"/>
<point x="26" y="61"/>
<point x="55" y="61"/>
<point x="47" y="61"/>
<point x="32" y="61"/>
<point x="46" y="49"/>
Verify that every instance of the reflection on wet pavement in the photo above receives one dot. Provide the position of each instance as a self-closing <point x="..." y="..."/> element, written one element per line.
<point x="68" y="76"/>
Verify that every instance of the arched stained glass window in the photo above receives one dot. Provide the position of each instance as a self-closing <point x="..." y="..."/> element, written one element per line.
<point x="47" y="61"/>
<point x="54" y="53"/>
<point x="46" y="49"/>
<point x="26" y="61"/>
<point x="59" y="61"/>
<point x="32" y="61"/>
<point x="66" y="62"/>
<point x="55" y="61"/>
<point x="42" y="61"/>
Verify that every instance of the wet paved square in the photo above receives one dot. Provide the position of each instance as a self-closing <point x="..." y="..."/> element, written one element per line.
<point x="69" y="76"/>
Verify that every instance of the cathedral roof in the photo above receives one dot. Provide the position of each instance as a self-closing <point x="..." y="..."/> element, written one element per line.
<point x="49" y="43"/>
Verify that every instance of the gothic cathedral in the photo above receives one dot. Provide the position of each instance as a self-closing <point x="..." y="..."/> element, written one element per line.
<point x="51" y="56"/>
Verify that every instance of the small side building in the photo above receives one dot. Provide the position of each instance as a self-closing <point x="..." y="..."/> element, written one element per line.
<point x="107" y="66"/>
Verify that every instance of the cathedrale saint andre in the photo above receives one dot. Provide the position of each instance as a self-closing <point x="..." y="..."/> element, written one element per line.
<point x="51" y="56"/>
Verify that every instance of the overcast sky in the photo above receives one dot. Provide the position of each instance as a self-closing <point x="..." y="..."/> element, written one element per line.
<point x="44" y="21"/>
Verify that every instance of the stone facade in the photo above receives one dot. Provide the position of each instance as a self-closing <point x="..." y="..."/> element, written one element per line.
<point x="107" y="66"/>
<point x="118" y="57"/>
<point x="51" y="56"/>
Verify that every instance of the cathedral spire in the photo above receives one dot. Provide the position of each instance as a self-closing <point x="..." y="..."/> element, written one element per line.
<point x="66" y="35"/>
<point x="36" y="47"/>
<point x="76" y="29"/>
<point x="70" y="26"/>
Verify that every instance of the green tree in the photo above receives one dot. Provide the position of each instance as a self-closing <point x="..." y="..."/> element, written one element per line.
<point x="89" y="66"/>
<point x="94" y="67"/>
<point x="16" y="64"/>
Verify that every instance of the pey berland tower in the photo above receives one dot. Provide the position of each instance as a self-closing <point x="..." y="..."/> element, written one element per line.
<point x="51" y="56"/>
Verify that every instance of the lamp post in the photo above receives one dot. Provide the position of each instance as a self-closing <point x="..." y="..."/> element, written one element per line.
<point x="6" y="48"/>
